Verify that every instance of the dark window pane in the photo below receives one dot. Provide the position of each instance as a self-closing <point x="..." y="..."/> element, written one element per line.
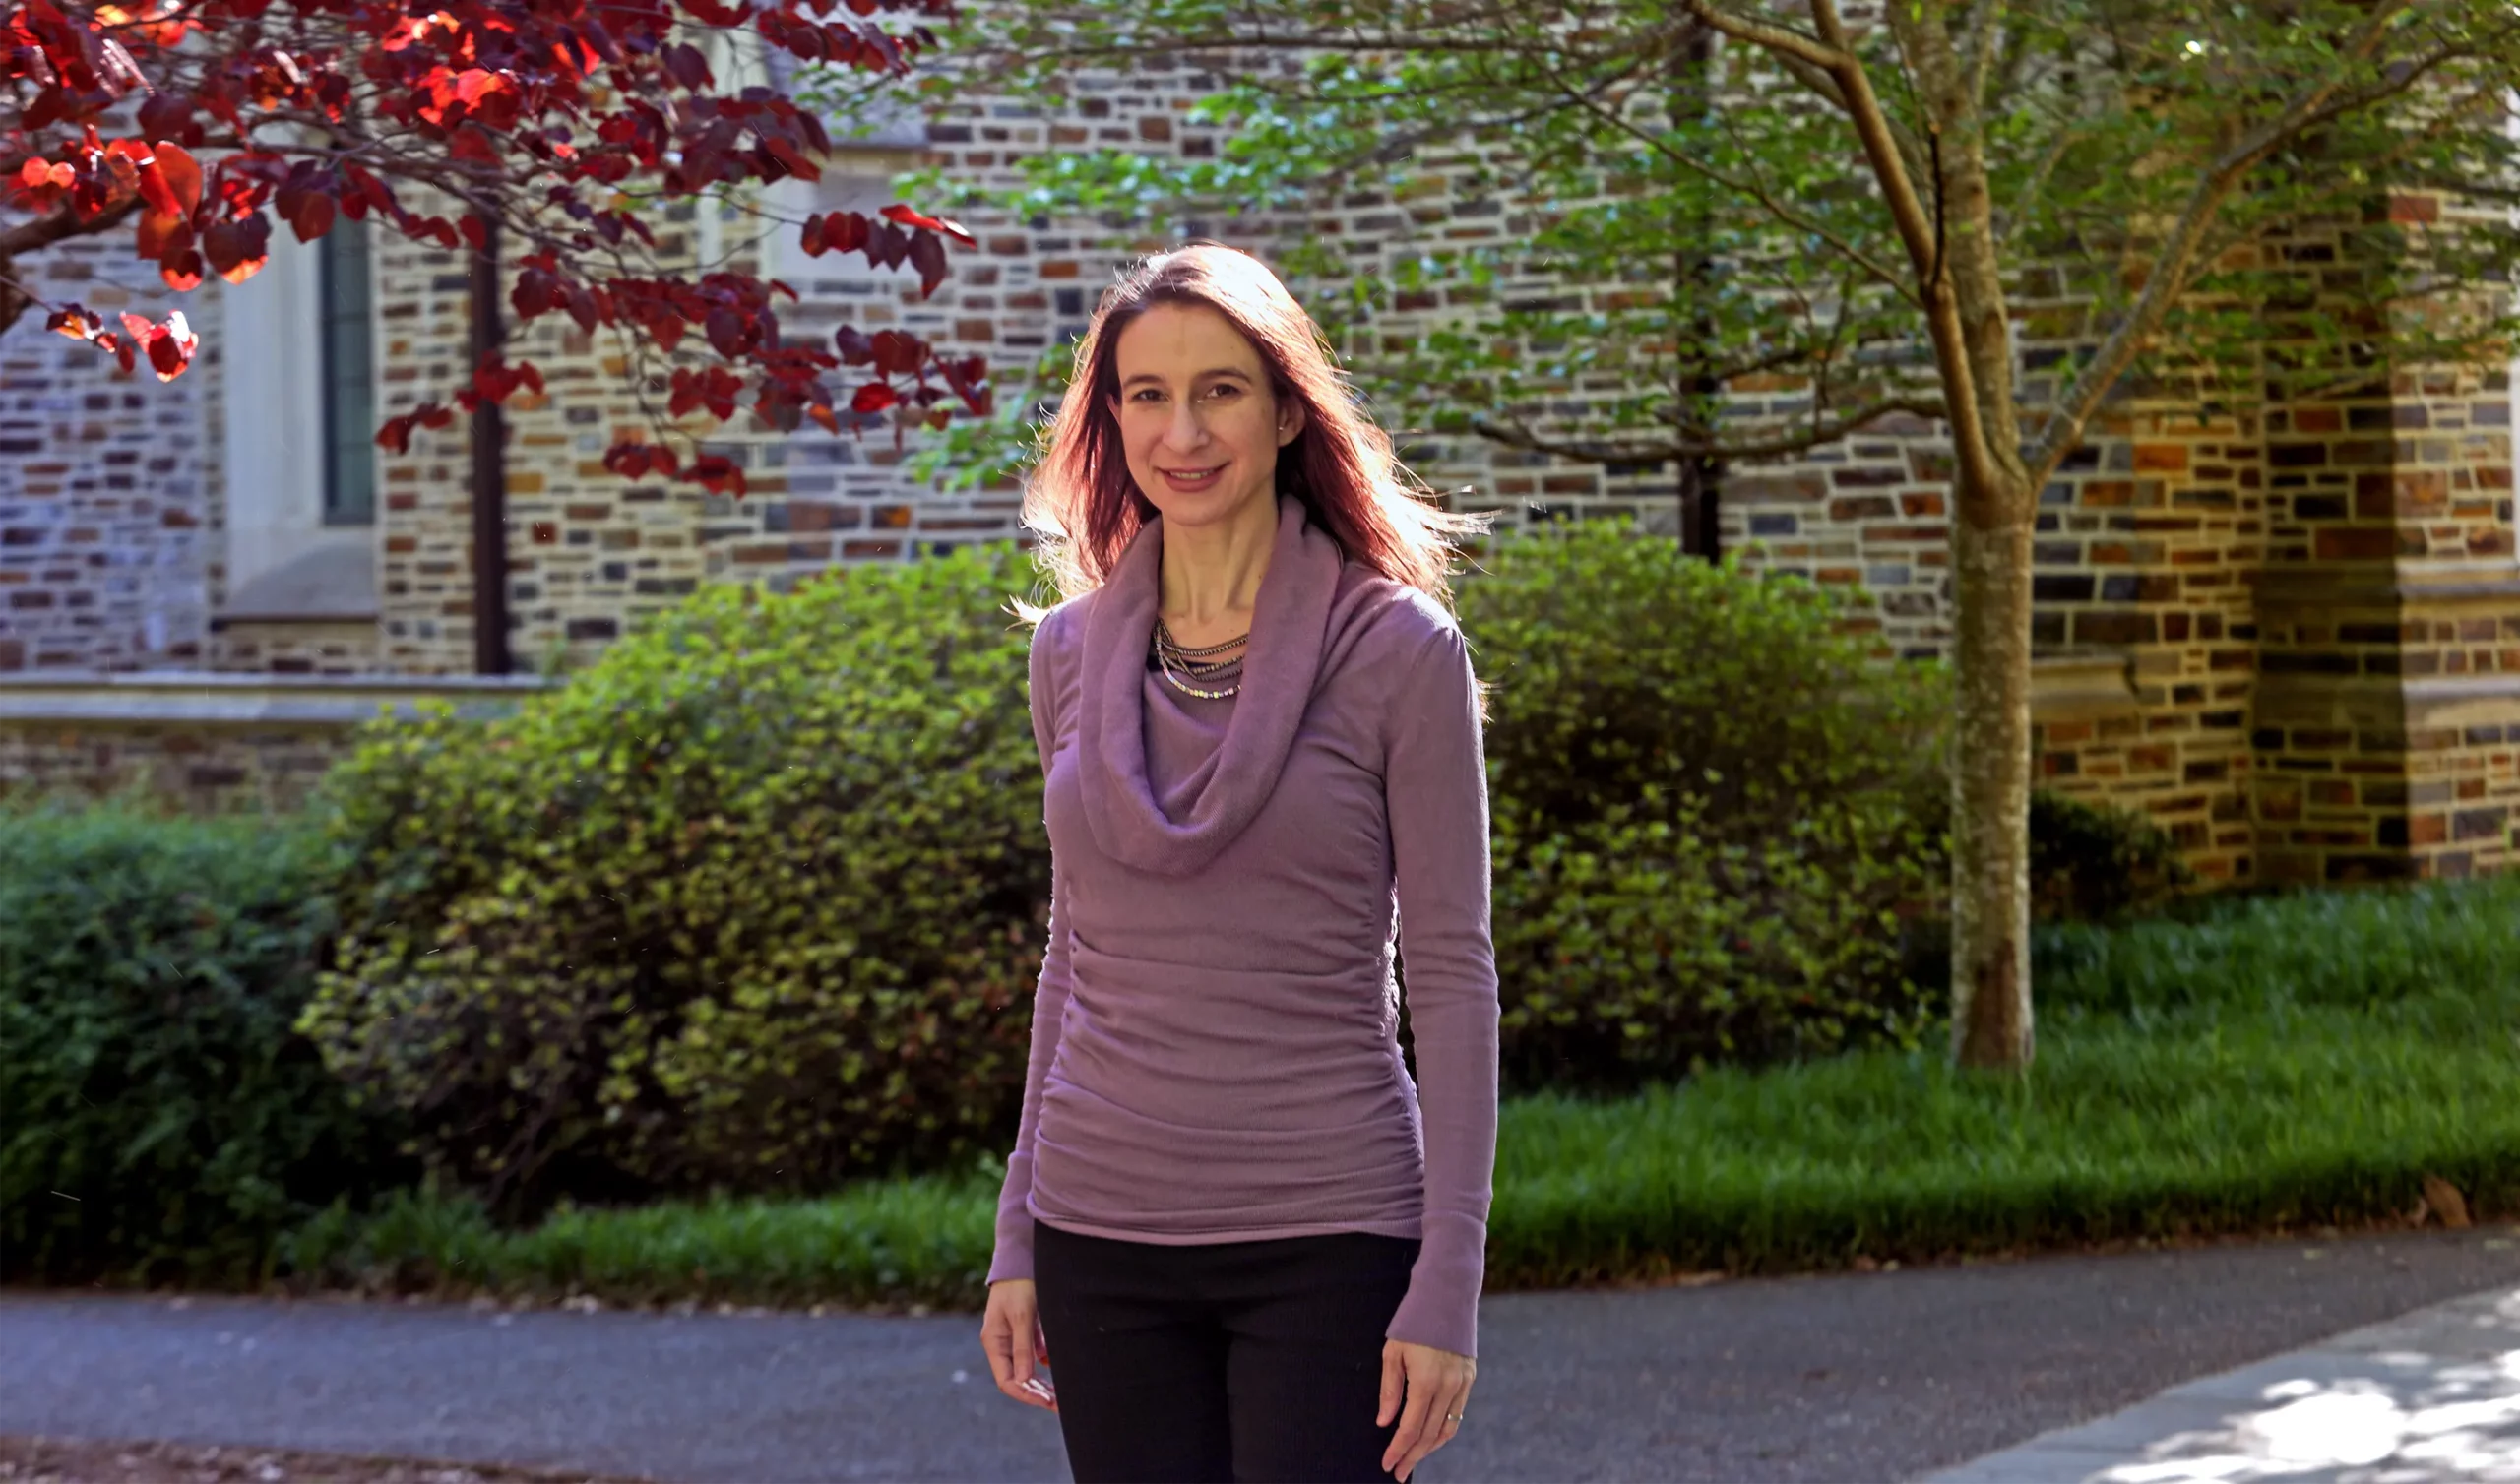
<point x="350" y="377"/>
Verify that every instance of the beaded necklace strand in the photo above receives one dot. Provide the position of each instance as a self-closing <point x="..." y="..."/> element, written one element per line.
<point x="1209" y="662"/>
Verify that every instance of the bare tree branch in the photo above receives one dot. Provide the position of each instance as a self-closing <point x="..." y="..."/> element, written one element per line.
<point x="1776" y="41"/>
<point x="1819" y="432"/>
<point x="1752" y="188"/>
<point x="2175" y="264"/>
<point x="61" y="227"/>
<point x="1916" y="228"/>
<point x="1979" y="50"/>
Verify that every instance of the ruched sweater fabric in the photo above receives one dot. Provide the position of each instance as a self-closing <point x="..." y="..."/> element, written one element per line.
<point x="1214" y="1053"/>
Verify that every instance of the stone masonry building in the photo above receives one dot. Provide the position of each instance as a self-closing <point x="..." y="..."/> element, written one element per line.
<point x="2291" y="637"/>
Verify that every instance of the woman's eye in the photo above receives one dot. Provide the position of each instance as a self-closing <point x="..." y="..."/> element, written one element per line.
<point x="1225" y="388"/>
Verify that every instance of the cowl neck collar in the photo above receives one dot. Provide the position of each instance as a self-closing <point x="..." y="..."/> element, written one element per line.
<point x="1289" y="618"/>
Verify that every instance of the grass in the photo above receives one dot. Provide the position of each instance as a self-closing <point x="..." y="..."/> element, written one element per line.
<point x="2283" y="1063"/>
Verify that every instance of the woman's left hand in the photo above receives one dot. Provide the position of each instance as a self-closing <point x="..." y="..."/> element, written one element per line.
<point x="1428" y="1390"/>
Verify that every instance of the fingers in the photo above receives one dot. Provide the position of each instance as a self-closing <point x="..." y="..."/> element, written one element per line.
<point x="1436" y="1428"/>
<point x="996" y="1343"/>
<point x="1403" y="1449"/>
<point x="1395" y="1378"/>
<point x="1011" y="1364"/>
<point x="1437" y="1390"/>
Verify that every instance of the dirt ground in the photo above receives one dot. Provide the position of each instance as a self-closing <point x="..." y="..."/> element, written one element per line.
<point x="68" y="1460"/>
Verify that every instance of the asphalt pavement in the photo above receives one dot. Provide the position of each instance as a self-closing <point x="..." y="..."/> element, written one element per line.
<point x="1884" y="1376"/>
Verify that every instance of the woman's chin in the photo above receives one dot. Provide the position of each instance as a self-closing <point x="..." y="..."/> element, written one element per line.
<point x="1187" y="508"/>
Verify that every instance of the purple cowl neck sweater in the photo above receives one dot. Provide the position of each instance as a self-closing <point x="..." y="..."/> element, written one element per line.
<point x="1214" y="1050"/>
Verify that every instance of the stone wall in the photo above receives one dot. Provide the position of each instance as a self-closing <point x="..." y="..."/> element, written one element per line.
<point x="208" y="744"/>
<point x="2290" y="634"/>
<point x="105" y="508"/>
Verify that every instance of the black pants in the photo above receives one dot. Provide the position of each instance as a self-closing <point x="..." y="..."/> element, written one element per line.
<point x="1236" y="1361"/>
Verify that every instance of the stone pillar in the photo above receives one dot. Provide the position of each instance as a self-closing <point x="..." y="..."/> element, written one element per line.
<point x="2390" y="616"/>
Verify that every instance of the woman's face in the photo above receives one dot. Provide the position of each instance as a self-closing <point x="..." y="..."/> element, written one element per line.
<point x="1197" y="419"/>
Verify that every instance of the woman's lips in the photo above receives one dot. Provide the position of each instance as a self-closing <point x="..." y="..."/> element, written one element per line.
<point x="1191" y="479"/>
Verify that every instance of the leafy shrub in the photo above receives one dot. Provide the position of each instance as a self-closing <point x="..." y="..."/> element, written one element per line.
<point x="1710" y="810"/>
<point x="158" y="1117"/>
<point x="2097" y="862"/>
<point x="748" y="905"/>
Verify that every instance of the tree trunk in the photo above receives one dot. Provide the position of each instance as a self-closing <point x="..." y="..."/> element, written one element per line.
<point x="1991" y="1024"/>
<point x="491" y="621"/>
<point x="14" y="301"/>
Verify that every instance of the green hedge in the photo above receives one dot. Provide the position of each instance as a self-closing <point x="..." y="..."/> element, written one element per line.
<point x="2287" y="1064"/>
<point x="1712" y="807"/>
<point x="158" y="1117"/>
<point x="752" y="905"/>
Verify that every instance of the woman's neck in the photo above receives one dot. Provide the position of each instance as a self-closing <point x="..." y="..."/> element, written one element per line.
<point x="1211" y="575"/>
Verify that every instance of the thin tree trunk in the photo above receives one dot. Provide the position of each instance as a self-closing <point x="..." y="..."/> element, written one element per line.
<point x="490" y="622"/>
<point x="14" y="301"/>
<point x="1990" y="1020"/>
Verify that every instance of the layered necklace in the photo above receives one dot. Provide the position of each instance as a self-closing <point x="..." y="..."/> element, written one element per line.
<point x="1210" y="673"/>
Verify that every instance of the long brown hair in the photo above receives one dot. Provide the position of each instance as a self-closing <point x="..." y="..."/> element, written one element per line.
<point x="1083" y="507"/>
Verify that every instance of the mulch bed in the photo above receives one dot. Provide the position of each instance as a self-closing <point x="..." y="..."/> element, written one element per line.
<point x="71" y="1461"/>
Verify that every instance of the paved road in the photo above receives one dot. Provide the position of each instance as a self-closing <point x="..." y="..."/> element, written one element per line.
<point x="1837" y="1379"/>
<point x="2431" y="1398"/>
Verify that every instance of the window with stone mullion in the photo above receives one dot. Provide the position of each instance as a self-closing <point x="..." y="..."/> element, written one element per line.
<point x="346" y="293"/>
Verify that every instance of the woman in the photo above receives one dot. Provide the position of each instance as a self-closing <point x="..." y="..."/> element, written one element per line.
<point x="1226" y="1224"/>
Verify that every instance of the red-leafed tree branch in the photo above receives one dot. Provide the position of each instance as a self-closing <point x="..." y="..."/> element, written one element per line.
<point x="188" y="126"/>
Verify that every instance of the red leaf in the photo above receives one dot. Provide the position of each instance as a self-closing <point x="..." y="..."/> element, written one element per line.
<point x="155" y="190"/>
<point x="313" y="217"/>
<point x="875" y="396"/>
<point x="171" y="346"/>
<point x="928" y="254"/>
<point x="845" y="232"/>
<point x="472" y="143"/>
<point x="535" y="292"/>
<point x="160" y="232"/>
<point x="912" y="217"/>
<point x="713" y="13"/>
<point x="898" y="353"/>
<point x="718" y="474"/>
<point x="792" y="159"/>
<point x="182" y="173"/>
<point x="182" y="271"/>
<point x="238" y="250"/>
<point x="689" y="68"/>
<point x="166" y="116"/>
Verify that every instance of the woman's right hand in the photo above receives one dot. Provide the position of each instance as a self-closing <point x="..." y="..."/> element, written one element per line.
<point x="1014" y="1312"/>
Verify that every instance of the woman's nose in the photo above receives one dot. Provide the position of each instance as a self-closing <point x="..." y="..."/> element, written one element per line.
<point x="1184" y="430"/>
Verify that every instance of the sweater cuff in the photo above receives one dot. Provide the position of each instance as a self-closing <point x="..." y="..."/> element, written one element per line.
<point x="1441" y="1307"/>
<point x="1013" y="1257"/>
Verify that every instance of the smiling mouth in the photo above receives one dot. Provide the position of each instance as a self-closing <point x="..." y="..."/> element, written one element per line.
<point x="1192" y="475"/>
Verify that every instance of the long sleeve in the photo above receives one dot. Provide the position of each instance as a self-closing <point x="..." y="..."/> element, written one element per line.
<point x="1436" y="791"/>
<point x="1013" y="1257"/>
